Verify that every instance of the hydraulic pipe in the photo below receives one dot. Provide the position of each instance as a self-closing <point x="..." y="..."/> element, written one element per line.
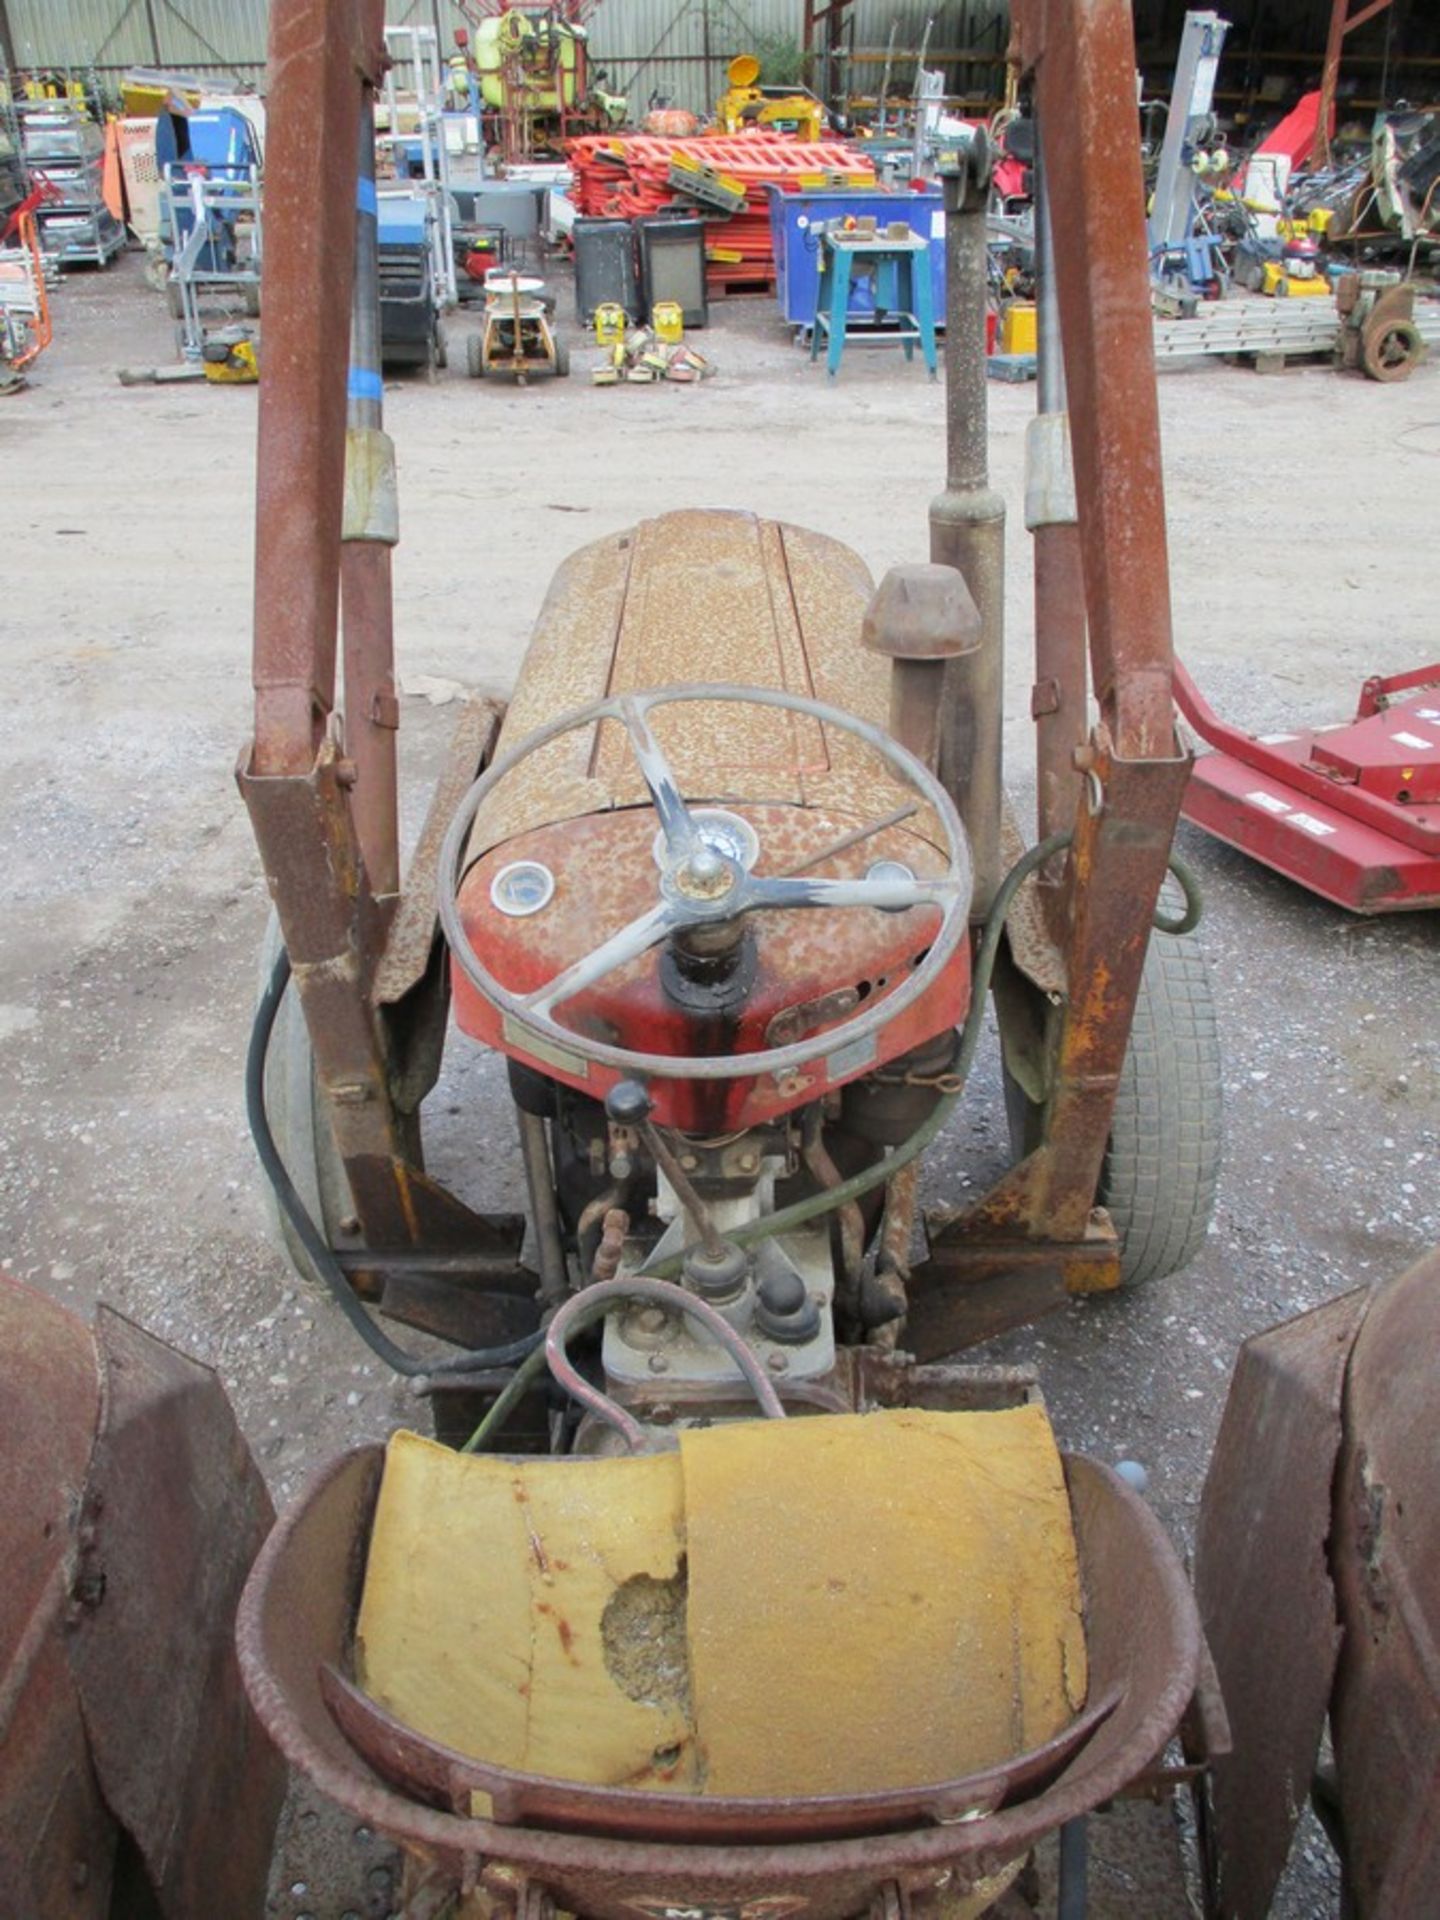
<point x="1057" y="700"/>
<point x="967" y="531"/>
<point x="370" y="530"/>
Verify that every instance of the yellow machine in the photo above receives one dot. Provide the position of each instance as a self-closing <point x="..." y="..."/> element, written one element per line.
<point x="745" y="103"/>
<point x="230" y="359"/>
<point x="610" y="324"/>
<point x="1285" y="284"/>
<point x="668" y="320"/>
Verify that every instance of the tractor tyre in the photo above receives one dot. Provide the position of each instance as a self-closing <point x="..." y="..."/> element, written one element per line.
<point x="300" y="1122"/>
<point x="1162" y="1160"/>
<point x="250" y="298"/>
<point x="475" y="356"/>
<point x="173" y="299"/>
<point x="562" y="359"/>
<point x="441" y="350"/>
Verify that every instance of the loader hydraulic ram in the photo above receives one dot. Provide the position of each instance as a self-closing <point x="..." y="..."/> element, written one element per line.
<point x="629" y="1649"/>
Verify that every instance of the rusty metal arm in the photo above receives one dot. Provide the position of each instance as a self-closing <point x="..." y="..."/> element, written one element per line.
<point x="323" y="56"/>
<point x="1083" y="62"/>
<point x="372" y="992"/>
<point x="1040" y="1218"/>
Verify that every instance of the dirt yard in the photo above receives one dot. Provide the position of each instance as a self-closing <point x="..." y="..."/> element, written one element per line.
<point x="1302" y="558"/>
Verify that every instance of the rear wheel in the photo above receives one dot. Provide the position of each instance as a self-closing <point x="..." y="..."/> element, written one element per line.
<point x="562" y="359"/>
<point x="1162" y="1161"/>
<point x="300" y="1122"/>
<point x="475" y="356"/>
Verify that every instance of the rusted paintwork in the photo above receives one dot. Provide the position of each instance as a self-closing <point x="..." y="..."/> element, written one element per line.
<point x="1318" y="1575"/>
<point x="322" y="53"/>
<point x="412" y="935"/>
<point x="334" y="933"/>
<point x="673" y="602"/>
<point x="1083" y="60"/>
<point x="296" y="1619"/>
<point x="1058" y="693"/>
<point x="1134" y="770"/>
<point x="1385" y="1554"/>
<point x="411" y="989"/>
<point x="604" y="866"/>
<point x="57" y="1838"/>
<point x="971" y="1287"/>
<point x="1122" y="843"/>
<point x="131" y="1512"/>
<point x="1267" y="1602"/>
<point x="436" y="1775"/>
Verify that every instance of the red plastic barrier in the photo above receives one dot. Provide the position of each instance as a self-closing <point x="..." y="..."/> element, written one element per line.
<point x="627" y="175"/>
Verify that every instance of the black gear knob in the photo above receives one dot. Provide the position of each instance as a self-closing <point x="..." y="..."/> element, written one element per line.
<point x="627" y="1104"/>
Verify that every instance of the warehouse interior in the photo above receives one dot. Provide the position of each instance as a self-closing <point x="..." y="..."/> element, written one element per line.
<point x="721" y="818"/>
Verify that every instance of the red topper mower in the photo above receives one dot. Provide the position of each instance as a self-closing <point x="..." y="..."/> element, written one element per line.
<point x="1351" y="811"/>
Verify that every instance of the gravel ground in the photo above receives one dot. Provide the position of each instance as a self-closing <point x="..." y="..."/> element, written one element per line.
<point x="1302" y="558"/>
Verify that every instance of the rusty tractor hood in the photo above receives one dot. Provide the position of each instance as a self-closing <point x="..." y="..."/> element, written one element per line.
<point x="694" y="597"/>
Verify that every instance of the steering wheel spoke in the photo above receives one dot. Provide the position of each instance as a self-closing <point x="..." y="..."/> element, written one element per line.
<point x="891" y="896"/>
<point x="628" y="944"/>
<point x="681" y="837"/>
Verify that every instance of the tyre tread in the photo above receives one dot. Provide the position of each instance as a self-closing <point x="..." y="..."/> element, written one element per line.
<point x="1162" y="1164"/>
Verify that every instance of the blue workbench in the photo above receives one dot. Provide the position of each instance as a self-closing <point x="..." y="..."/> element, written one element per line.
<point x="795" y="223"/>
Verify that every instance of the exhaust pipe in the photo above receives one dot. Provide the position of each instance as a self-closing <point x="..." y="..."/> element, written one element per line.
<point x="967" y="526"/>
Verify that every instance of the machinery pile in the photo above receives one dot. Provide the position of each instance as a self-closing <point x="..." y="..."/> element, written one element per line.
<point x="1331" y="237"/>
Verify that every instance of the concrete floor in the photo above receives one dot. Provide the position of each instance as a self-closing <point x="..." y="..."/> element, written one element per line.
<point x="1302" y="515"/>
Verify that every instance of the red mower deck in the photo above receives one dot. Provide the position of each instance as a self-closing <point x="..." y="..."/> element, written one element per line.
<point x="1352" y="811"/>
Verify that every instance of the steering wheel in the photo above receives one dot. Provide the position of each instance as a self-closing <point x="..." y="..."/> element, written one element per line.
<point x="700" y="883"/>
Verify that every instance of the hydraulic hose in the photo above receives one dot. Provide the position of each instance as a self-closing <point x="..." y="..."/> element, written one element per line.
<point x="1189" y="884"/>
<point x="316" y="1246"/>
<point x="597" y="1300"/>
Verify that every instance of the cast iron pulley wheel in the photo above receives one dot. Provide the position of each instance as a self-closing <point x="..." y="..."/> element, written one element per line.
<point x="300" y="1122"/>
<point x="475" y="356"/>
<point x="702" y="884"/>
<point x="1391" y="349"/>
<point x="1162" y="1160"/>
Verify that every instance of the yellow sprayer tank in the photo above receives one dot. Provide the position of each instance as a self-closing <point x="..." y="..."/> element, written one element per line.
<point x="548" y="52"/>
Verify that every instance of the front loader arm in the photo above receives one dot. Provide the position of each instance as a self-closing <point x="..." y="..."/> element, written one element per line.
<point x="1036" y="1236"/>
